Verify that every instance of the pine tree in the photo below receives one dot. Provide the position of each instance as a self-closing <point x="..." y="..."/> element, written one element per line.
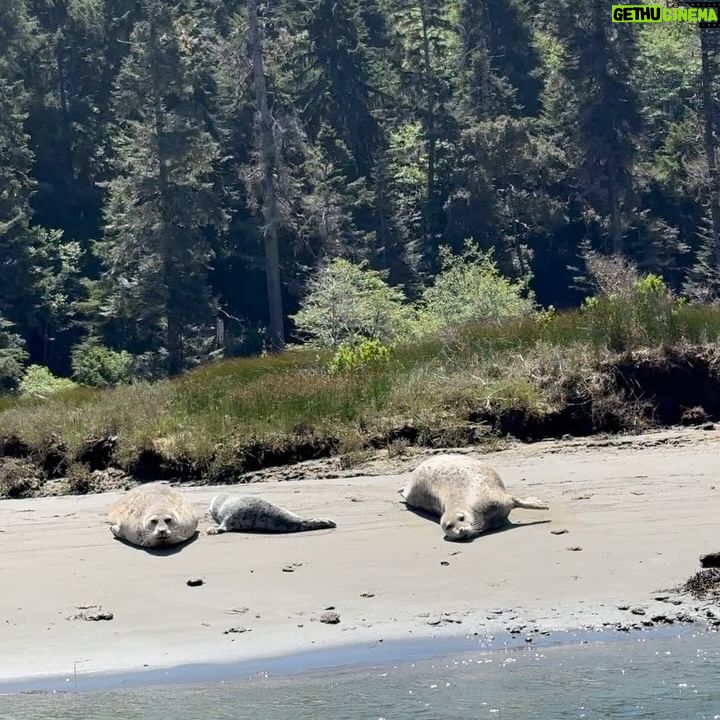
<point x="163" y="209"/>
<point x="600" y="120"/>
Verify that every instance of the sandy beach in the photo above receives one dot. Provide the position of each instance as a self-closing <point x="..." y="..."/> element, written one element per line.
<point x="641" y="509"/>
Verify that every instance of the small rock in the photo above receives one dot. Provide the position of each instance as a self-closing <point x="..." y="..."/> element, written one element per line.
<point x="637" y="611"/>
<point x="444" y="563"/>
<point x="330" y="607"/>
<point x="623" y="607"/>
<point x="662" y="598"/>
<point x="662" y="619"/>
<point x="92" y="613"/>
<point x="574" y="548"/>
<point x="434" y="620"/>
<point x="711" y="560"/>
<point x="330" y="618"/>
<point x="238" y="630"/>
<point x="559" y="531"/>
<point x="195" y="582"/>
<point x="582" y="497"/>
<point x="708" y="426"/>
<point x="367" y="595"/>
<point x="528" y="639"/>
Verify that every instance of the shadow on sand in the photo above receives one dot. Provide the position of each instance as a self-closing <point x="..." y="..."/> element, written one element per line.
<point x="507" y="525"/>
<point x="163" y="550"/>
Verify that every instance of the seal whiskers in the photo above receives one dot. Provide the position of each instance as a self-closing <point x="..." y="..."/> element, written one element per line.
<point x="152" y="515"/>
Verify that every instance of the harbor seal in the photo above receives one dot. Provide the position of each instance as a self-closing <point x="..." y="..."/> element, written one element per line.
<point x="152" y="515"/>
<point x="467" y="495"/>
<point x="250" y="513"/>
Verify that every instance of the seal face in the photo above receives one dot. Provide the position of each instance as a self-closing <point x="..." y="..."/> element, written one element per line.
<point x="249" y="513"/>
<point x="467" y="495"/>
<point x="152" y="515"/>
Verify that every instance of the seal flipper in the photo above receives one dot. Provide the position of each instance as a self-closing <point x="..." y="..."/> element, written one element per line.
<point x="217" y="529"/>
<point x="116" y="530"/>
<point x="317" y="524"/>
<point x="530" y="503"/>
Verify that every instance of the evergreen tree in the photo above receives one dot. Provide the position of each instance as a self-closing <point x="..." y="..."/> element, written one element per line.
<point x="162" y="209"/>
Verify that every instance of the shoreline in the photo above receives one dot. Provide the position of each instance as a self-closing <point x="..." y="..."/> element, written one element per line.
<point x="333" y="658"/>
<point x="642" y="513"/>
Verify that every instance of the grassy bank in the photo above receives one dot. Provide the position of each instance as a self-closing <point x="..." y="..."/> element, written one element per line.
<point x="544" y="375"/>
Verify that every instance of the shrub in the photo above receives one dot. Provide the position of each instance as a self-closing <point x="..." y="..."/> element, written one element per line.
<point x="346" y="302"/>
<point x="98" y="366"/>
<point x="12" y="357"/>
<point x="631" y="310"/>
<point x="39" y="381"/>
<point x="361" y="356"/>
<point x="470" y="288"/>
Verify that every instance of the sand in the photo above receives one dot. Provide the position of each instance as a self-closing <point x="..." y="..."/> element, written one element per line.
<point x="642" y="510"/>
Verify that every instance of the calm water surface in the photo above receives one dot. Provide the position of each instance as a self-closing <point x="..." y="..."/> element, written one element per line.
<point x="676" y="677"/>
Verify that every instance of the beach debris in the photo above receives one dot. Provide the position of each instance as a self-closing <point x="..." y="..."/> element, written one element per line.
<point x="444" y="619"/>
<point x="195" y="582"/>
<point x="330" y="618"/>
<point x="574" y="548"/>
<point x="587" y="496"/>
<point x="237" y="611"/>
<point x="444" y="563"/>
<point x="558" y="531"/>
<point x="92" y="613"/>
<point x="703" y="584"/>
<point x="238" y="630"/>
<point x="367" y="595"/>
<point x="660" y="618"/>
<point x="711" y="560"/>
<point x="291" y="567"/>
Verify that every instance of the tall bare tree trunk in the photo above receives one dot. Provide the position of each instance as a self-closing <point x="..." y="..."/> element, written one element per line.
<point x="429" y="120"/>
<point x="269" y="161"/>
<point x="173" y="330"/>
<point x="707" y="53"/>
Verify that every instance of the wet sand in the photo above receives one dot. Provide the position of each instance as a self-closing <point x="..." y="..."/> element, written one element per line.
<point x="641" y="514"/>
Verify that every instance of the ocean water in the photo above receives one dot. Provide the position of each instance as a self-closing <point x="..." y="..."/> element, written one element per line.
<point x="673" y="677"/>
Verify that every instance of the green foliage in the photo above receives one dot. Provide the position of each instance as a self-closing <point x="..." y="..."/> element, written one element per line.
<point x="648" y="314"/>
<point x="470" y="288"/>
<point x="98" y="366"/>
<point x="12" y="357"/>
<point x="345" y="301"/>
<point x="358" y="357"/>
<point x="38" y="381"/>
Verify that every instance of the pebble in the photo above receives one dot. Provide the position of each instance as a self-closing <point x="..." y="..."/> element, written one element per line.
<point x="195" y="582"/>
<point x="559" y="531"/>
<point x="330" y="618"/>
<point x="574" y="548"/>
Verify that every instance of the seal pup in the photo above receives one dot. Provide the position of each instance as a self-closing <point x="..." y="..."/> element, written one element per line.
<point x="152" y="515"/>
<point x="467" y="495"/>
<point x="250" y="513"/>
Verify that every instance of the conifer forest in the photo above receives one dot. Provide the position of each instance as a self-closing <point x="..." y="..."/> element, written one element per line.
<point x="175" y="173"/>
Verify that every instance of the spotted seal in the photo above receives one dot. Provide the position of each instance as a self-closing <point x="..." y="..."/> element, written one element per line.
<point x="250" y="513"/>
<point x="467" y="495"/>
<point x="152" y="515"/>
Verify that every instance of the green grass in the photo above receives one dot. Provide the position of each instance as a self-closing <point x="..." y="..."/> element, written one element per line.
<point x="208" y="415"/>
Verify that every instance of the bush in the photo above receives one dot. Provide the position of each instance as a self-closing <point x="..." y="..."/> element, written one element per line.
<point x="12" y="357"/>
<point x="361" y="356"/>
<point x="39" y="381"/>
<point x="639" y="311"/>
<point x="468" y="289"/>
<point x="98" y="366"/>
<point x="346" y="302"/>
